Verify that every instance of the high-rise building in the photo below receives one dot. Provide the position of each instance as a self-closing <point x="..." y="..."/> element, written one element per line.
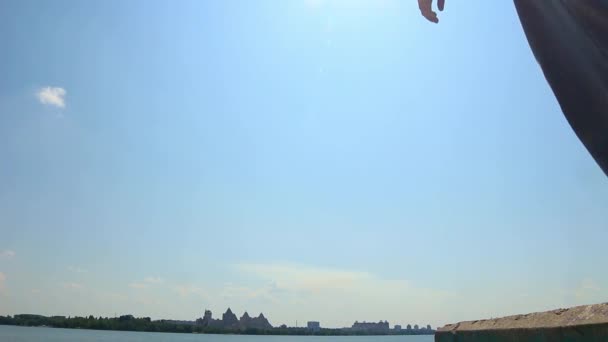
<point x="314" y="326"/>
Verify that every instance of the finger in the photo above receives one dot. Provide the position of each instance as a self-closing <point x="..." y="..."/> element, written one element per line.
<point x="432" y="17"/>
<point x="427" y="11"/>
<point x="441" y="4"/>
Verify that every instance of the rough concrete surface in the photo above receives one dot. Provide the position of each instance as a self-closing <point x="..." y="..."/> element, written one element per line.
<point x="578" y="324"/>
<point x="579" y="315"/>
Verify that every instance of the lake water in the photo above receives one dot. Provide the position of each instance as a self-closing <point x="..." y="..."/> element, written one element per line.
<point x="25" y="334"/>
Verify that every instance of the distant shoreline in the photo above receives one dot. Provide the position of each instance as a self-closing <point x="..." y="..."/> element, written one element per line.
<point x="145" y="324"/>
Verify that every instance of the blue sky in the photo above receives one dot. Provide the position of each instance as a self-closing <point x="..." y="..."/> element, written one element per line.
<point x="322" y="160"/>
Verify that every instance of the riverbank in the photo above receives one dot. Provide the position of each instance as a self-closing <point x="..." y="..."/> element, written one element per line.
<point x="145" y="324"/>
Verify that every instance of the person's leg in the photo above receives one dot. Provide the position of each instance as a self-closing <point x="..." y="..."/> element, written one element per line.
<point x="569" y="39"/>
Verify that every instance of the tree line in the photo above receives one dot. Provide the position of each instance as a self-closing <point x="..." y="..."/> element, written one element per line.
<point x="145" y="324"/>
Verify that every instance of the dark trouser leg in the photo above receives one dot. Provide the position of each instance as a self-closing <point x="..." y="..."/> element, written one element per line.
<point x="569" y="39"/>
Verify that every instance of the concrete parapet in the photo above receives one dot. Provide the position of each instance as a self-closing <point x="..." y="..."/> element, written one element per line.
<point x="581" y="323"/>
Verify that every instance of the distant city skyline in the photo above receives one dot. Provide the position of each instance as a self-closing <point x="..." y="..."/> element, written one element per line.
<point x="326" y="160"/>
<point x="230" y="319"/>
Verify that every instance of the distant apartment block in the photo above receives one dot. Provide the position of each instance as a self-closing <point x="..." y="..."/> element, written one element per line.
<point x="371" y="327"/>
<point x="314" y="326"/>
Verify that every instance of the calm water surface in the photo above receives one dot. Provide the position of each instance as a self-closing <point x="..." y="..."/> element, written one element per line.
<point x="21" y="334"/>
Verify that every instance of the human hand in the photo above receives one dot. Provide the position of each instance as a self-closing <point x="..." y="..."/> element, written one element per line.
<point x="426" y="8"/>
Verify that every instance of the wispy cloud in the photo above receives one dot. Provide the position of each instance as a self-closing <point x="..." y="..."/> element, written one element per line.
<point x="77" y="269"/>
<point x="115" y="296"/>
<point x="305" y="278"/>
<point x="72" y="286"/>
<point x="191" y="290"/>
<point x="232" y="292"/>
<point x="153" y="280"/>
<point x="355" y="294"/>
<point x="52" y="96"/>
<point x="147" y="282"/>
<point x="7" y="254"/>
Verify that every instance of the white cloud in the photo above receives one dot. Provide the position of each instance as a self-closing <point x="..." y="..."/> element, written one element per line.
<point x="191" y="290"/>
<point x="115" y="296"/>
<point x="147" y="282"/>
<point x="153" y="280"/>
<point x="305" y="278"/>
<point x="52" y="96"/>
<point x="7" y="254"/>
<point x="77" y="269"/>
<point x="235" y="292"/>
<point x="72" y="286"/>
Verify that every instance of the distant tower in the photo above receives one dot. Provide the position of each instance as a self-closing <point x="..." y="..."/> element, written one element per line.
<point x="206" y="320"/>
<point x="229" y="319"/>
